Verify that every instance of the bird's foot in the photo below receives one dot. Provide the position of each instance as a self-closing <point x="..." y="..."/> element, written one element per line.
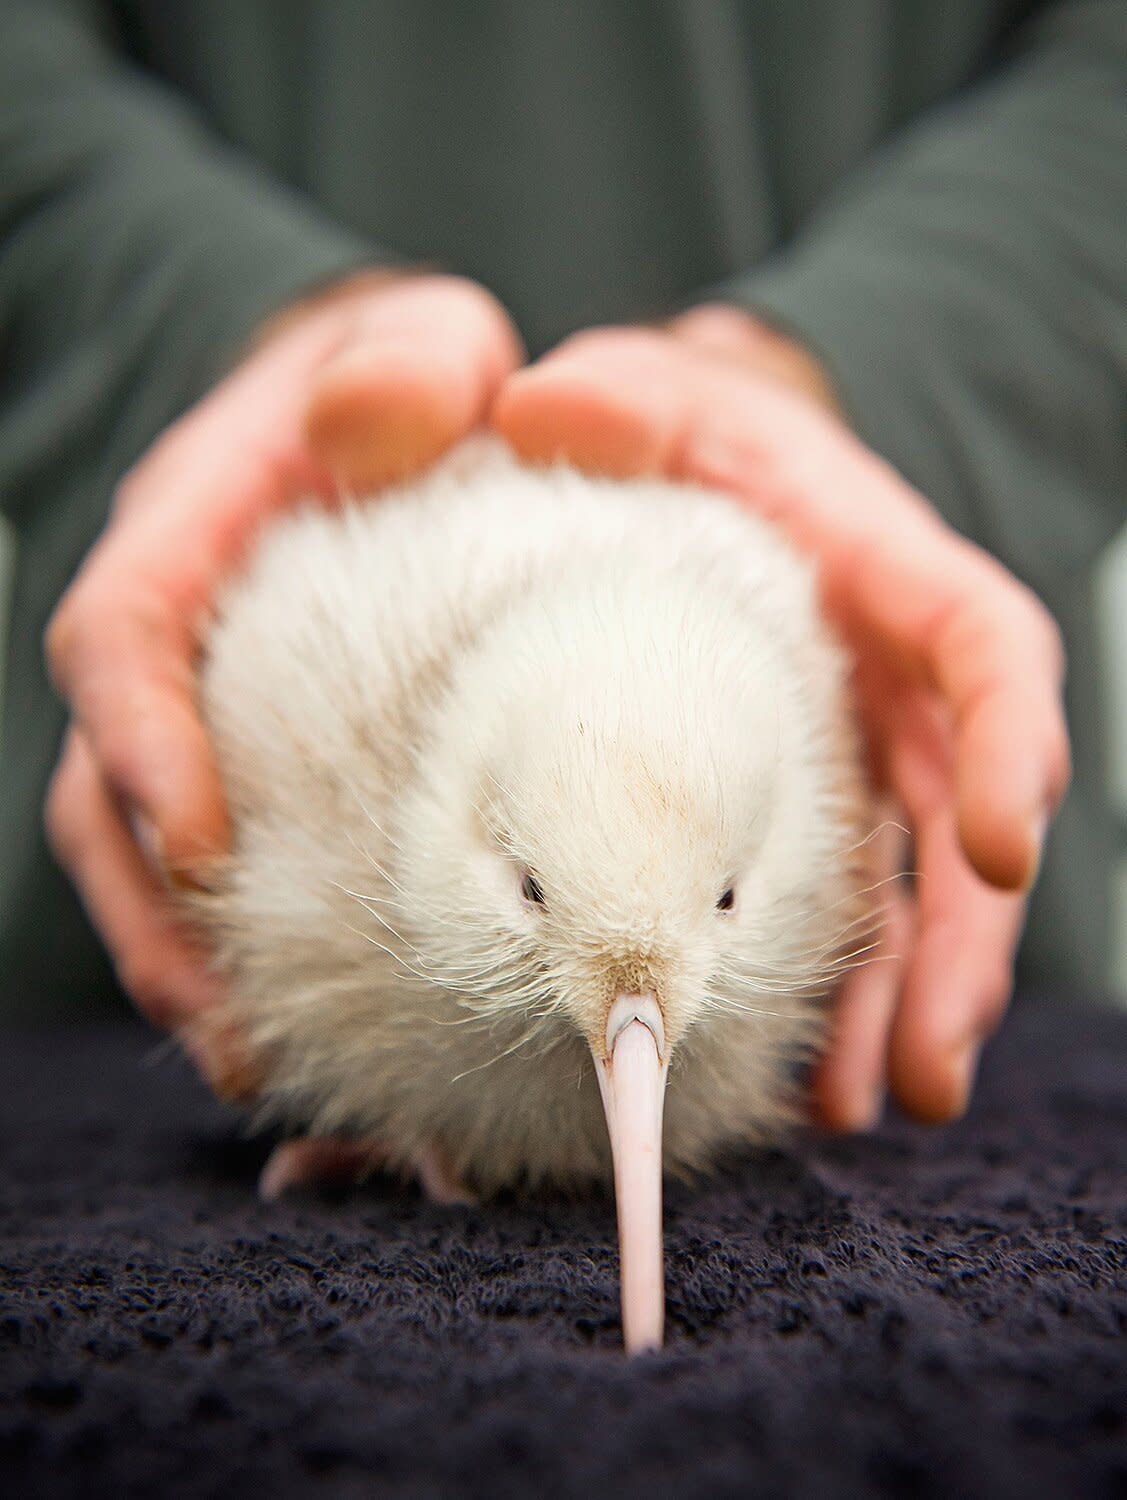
<point x="438" y="1179"/>
<point x="309" y="1163"/>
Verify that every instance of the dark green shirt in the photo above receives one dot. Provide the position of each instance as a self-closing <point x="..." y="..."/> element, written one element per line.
<point x="933" y="196"/>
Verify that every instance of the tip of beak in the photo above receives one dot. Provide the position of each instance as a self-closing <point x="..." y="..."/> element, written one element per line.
<point x="632" y="1082"/>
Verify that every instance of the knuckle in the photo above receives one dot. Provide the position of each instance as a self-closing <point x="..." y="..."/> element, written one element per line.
<point x="466" y="301"/>
<point x="473" y="294"/>
<point x="128" y="492"/>
<point x="64" y="629"/>
<point x="82" y="618"/>
<point x="705" y="318"/>
<point x="119" y="754"/>
<point x="59" y="822"/>
<point x="1036" y="623"/>
<point x="613" y="343"/>
<point x="1048" y="636"/>
<point x="1044" y="630"/>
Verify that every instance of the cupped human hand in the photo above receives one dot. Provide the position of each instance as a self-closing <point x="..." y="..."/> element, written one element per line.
<point x="359" y="386"/>
<point x="958" y="667"/>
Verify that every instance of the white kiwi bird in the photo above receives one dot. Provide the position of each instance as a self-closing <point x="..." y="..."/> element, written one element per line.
<point x="546" y="795"/>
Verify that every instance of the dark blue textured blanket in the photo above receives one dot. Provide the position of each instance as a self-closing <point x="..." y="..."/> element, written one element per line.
<point x="921" y="1313"/>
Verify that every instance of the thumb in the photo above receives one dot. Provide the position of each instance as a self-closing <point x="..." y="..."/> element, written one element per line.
<point x="417" y="371"/>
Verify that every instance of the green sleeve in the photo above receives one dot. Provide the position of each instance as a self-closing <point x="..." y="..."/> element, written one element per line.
<point x="967" y="291"/>
<point x="136" y="254"/>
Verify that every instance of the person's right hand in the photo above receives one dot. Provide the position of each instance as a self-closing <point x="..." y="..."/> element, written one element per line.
<point x="357" y="387"/>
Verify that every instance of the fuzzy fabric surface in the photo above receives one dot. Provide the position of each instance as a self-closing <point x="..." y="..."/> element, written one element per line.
<point x="917" y="1313"/>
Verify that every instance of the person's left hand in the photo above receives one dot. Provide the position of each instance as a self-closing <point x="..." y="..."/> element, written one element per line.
<point x="958" y="666"/>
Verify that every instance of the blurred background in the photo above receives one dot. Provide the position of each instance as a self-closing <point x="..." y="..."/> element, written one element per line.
<point x="1111" y="591"/>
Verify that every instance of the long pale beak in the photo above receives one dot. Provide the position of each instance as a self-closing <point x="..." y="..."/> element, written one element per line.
<point x="631" y="1076"/>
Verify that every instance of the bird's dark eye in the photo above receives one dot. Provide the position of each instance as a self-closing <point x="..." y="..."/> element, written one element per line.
<point x="530" y="889"/>
<point x="727" y="900"/>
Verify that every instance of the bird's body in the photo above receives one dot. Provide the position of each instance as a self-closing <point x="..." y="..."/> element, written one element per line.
<point x="499" y="748"/>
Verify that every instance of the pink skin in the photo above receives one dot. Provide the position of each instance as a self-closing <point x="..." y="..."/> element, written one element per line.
<point x="959" y="668"/>
<point x="305" y="1163"/>
<point x="364" y="384"/>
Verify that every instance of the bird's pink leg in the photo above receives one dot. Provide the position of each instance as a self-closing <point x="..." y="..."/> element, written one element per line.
<point x="306" y="1163"/>
<point x="438" y="1179"/>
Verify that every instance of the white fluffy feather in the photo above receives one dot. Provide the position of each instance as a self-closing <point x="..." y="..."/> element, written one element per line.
<point x="624" y="689"/>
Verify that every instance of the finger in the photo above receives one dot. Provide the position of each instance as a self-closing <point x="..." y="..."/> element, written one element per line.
<point x="961" y="974"/>
<point x="849" y="1084"/>
<point x="417" y="373"/>
<point x="609" y="401"/>
<point x="998" y="659"/>
<point x="251" y="427"/>
<point x="123" y="642"/>
<point x="157" y="963"/>
<point x="733" y="334"/>
<point x="122" y="654"/>
<point x="957" y="989"/>
<point x="629" y="401"/>
<point x="890" y="571"/>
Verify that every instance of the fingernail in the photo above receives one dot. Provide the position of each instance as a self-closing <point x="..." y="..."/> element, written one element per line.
<point x="857" y="1112"/>
<point x="147" y="838"/>
<point x="1038" y="828"/>
<point x="961" y="1073"/>
<point x="870" y="1108"/>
